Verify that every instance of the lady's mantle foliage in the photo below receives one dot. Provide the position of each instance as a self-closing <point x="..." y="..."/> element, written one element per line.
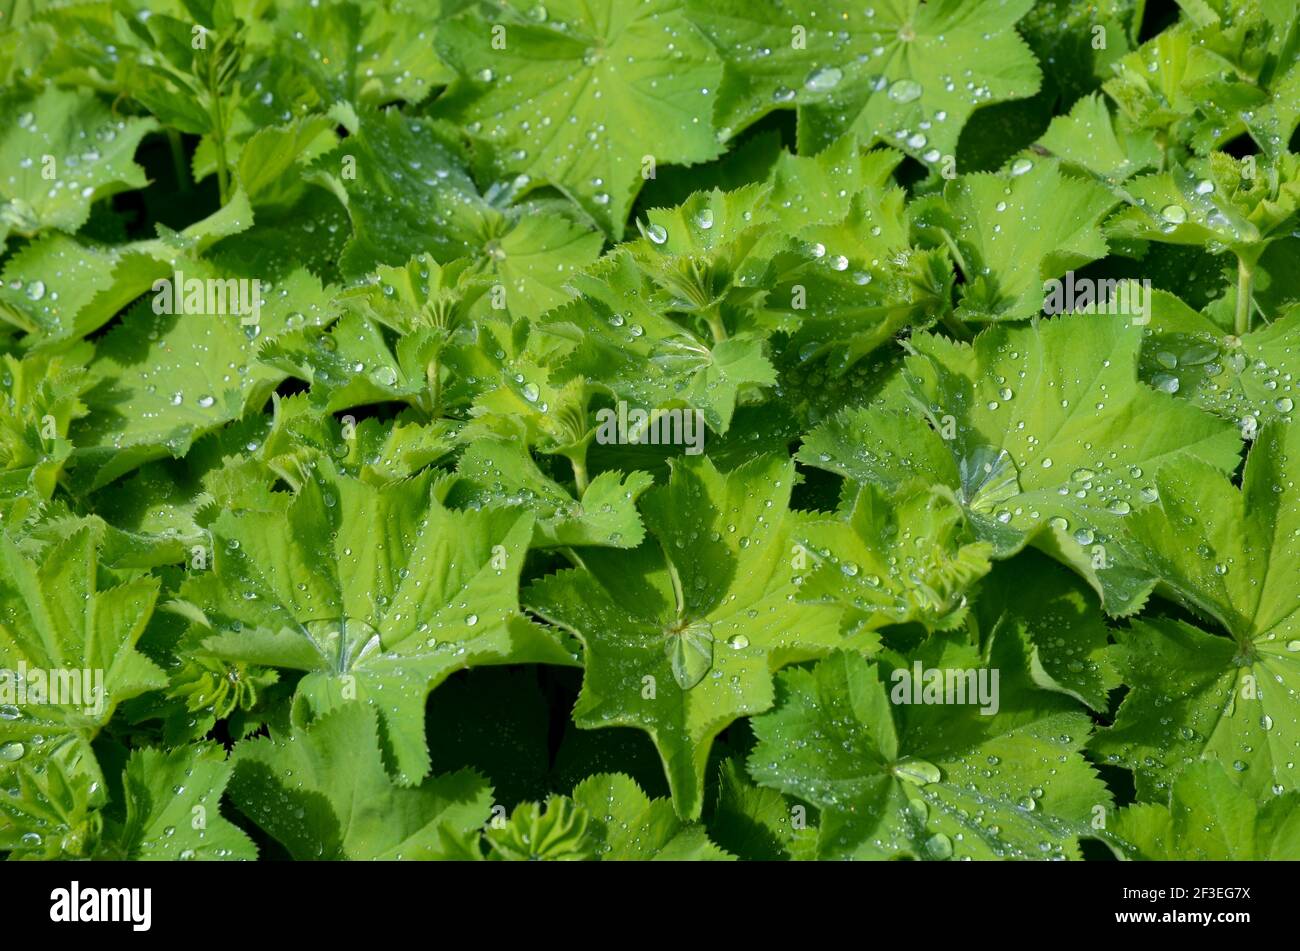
<point x="276" y="547"/>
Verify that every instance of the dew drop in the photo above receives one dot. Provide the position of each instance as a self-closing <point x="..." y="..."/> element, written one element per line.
<point x="828" y="77"/>
<point x="917" y="771"/>
<point x="1174" y="214"/>
<point x="905" y="90"/>
<point x="939" y="846"/>
<point x="12" y="752"/>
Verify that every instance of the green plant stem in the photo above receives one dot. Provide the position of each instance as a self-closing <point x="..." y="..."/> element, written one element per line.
<point x="573" y="557"/>
<point x="956" y="253"/>
<point x="1245" y="284"/>
<point x="433" y="375"/>
<point x="954" y="325"/>
<point x="716" y="326"/>
<point x="679" y="594"/>
<point x="178" y="160"/>
<point x="579" y="474"/>
<point x="218" y="132"/>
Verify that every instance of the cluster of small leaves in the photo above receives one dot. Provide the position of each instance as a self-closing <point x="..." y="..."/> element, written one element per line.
<point x="276" y="547"/>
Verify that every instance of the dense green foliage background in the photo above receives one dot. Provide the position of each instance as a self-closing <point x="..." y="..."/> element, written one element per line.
<point x="363" y="577"/>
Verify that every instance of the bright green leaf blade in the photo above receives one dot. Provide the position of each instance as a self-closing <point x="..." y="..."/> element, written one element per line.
<point x="1052" y="439"/>
<point x="172" y="808"/>
<point x="528" y="90"/>
<point x="72" y="641"/>
<point x="321" y="791"/>
<point x="1014" y="232"/>
<point x="895" y="558"/>
<point x="497" y="472"/>
<point x="1195" y="695"/>
<point x="900" y="71"/>
<point x="379" y="593"/>
<point x="648" y="617"/>
<point x="1210" y="818"/>
<point x="63" y="151"/>
<point x="1088" y="139"/>
<point x="928" y="782"/>
<point x="631" y="826"/>
<point x="1247" y="380"/>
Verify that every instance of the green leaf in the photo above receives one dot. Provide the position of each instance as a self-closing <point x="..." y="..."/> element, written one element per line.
<point x="608" y="818"/>
<point x="752" y="823"/>
<point x="402" y="180"/>
<point x="68" y="650"/>
<point x="644" y="356"/>
<point x="377" y="592"/>
<point x="51" y="812"/>
<point x="1155" y="86"/>
<point x="202" y="372"/>
<point x="902" y="71"/>
<point x="1012" y="232"/>
<point x="1067" y="636"/>
<point x="1247" y="379"/>
<point x="926" y="781"/>
<point x="528" y="92"/>
<point x="407" y="193"/>
<point x="497" y="472"/>
<point x="844" y="306"/>
<point x="533" y="257"/>
<point x="704" y="257"/>
<point x="1089" y="140"/>
<point x="681" y="645"/>
<point x="819" y="189"/>
<point x="311" y="233"/>
<point x="895" y="558"/>
<point x="365" y="54"/>
<point x="1209" y="818"/>
<point x="853" y="280"/>
<point x="629" y="825"/>
<point x="1080" y="42"/>
<point x="59" y="288"/>
<point x="41" y="396"/>
<point x="322" y="793"/>
<point x="1053" y="439"/>
<point x="63" y="151"/>
<point x="271" y="162"/>
<point x="172" y="807"/>
<point x="353" y="363"/>
<point x="1217" y="201"/>
<point x="1195" y="695"/>
<point x="378" y="452"/>
<point x="556" y="832"/>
